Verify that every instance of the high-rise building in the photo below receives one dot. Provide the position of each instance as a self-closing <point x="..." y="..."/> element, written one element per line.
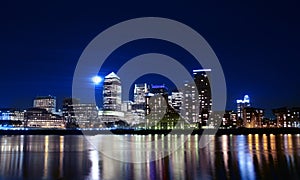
<point x="112" y="93"/>
<point x="139" y="104"/>
<point x="176" y="100"/>
<point x="112" y="100"/>
<point x="242" y="103"/>
<point x="45" y="102"/>
<point x="140" y="91"/>
<point x="159" y="114"/>
<point x="201" y="78"/>
<point x="156" y="102"/>
<point x="190" y="104"/>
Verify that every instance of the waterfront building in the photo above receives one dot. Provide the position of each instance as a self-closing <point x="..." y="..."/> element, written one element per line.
<point x="11" y="117"/>
<point x="156" y="103"/>
<point x="39" y="117"/>
<point x="45" y="102"/>
<point x="287" y="117"/>
<point x="83" y="115"/>
<point x="86" y="114"/>
<point x="229" y="120"/>
<point x="159" y="114"/>
<point x="68" y="109"/>
<point x="252" y="117"/>
<point x="242" y="103"/>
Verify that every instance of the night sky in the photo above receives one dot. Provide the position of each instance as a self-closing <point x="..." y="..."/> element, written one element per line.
<point x="257" y="43"/>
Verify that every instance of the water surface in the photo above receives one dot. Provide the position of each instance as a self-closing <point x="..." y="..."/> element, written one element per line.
<point x="225" y="157"/>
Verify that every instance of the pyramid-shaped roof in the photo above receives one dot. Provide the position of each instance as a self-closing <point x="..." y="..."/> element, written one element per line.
<point x="111" y="76"/>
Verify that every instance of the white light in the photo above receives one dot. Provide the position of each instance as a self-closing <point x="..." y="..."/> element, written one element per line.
<point x="96" y="79"/>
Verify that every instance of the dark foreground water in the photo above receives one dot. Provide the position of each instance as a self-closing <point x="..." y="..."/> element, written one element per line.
<point x="74" y="157"/>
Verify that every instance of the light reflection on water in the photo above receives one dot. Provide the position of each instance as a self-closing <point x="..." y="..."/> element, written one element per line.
<point x="225" y="157"/>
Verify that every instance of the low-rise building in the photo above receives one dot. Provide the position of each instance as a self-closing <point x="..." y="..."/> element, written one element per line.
<point x="229" y="119"/>
<point x="38" y="117"/>
<point x="252" y="117"/>
<point x="11" y="117"/>
<point x="287" y="117"/>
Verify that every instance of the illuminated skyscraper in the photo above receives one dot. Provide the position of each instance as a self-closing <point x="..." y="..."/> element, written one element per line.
<point x="176" y="100"/>
<point x="204" y="94"/>
<point x="241" y="104"/>
<point x="112" y="93"/>
<point x="139" y="93"/>
<point x="112" y="98"/>
<point x="190" y="105"/>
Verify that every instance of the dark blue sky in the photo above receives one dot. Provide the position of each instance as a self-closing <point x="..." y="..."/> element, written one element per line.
<point x="257" y="43"/>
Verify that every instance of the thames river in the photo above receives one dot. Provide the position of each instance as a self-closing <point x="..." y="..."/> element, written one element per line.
<point x="164" y="157"/>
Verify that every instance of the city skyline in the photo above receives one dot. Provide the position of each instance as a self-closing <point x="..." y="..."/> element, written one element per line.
<point x="150" y="89"/>
<point x="153" y="107"/>
<point x="237" y="105"/>
<point x="257" y="45"/>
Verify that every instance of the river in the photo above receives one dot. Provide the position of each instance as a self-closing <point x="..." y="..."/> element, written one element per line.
<point x="166" y="157"/>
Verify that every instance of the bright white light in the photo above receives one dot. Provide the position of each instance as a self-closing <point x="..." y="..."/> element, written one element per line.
<point x="96" y="79"/>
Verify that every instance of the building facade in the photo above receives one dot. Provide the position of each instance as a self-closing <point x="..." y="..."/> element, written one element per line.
<point x="190" y="104"/>
<point x="38" y="117"/>
<point x="11" y="117"/>
<point x="201" y="78"/>
<point x="139" y="93"/>
<point x="112" y="99"/>
<point x="229" y="120"/>
<point x="68" y="109"/>
<point x="253" y="117"/>
<point x="287" y="117"/>
<point x="86" y="115"/>
<point x="242" y="103"/>
<point x="45" y="102"/>
<point x="176" y="100"/>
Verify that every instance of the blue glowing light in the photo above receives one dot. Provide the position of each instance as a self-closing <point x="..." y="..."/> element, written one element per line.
<point x="96" y="79"/>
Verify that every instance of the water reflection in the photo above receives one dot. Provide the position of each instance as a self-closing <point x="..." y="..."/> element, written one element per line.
<point x="227" y="156"/>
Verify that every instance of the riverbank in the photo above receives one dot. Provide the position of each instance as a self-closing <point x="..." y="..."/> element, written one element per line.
<point x="239" y="131"/>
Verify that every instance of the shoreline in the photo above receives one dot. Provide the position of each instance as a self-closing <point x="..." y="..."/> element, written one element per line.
<point x="239" y="131"/>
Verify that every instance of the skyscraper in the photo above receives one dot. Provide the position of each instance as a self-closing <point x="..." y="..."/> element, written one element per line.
<point x="112" y="93"/>
<point x="139" y="93"/>
<point x="176" y="100"/>
<point x="159" y="114"/>
<point x="204" y="94"/>
<point x="190" y="105"/>
<point x="156" y="102"/>
<point x="139" y="104"/>
<point x="112" y="100"/>
<point x="241" y="104"/>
